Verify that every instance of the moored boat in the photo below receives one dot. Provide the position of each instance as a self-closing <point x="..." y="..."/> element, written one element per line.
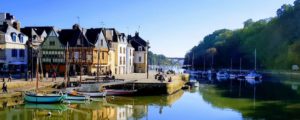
<point x="222" y="75"/>
<point x="77" y="97"/>
<point x="43" y="98"/>
<point x="93" y="94"/>
<point x="253" y="75"/>
<point x="232" y="76"/>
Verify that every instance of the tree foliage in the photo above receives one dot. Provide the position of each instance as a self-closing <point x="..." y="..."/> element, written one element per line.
<point x="277" y="41"/>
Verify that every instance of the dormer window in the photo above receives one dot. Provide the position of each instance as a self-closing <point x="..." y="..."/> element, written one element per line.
<point x="34" y="37"/>
<point x="78" y="42"/>
<point x="140" y="48"/>
<point x="101" y="42"/>
<point x="52" y="43"/>
<point x="14" y="37"/>
<point x="21" y="38"/>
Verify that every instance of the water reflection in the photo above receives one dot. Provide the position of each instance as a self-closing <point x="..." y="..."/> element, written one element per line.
<point x="212" y="99"/>
<point x="268" y="100"/>
<point x="111" y="108"/>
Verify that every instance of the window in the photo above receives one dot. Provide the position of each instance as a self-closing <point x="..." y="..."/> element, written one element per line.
<point x="34" y="37"/>
<point x="124" y="50"/>
<point x="120" y="50"/>
<point x="124" y="60"/>
<point x="52" y="43"/>
<point x="101" y="42"/>
<point x="22" y="53"/>
<point x="120" y="60"/>
<point x="21" y="38"/>
<point x="129" y="52"/>
<point x="102" y="55"/>
<point x="14" y="37"/>
<point x="140" y="59"/>
<point x="78" y="42"/>
<point x="14" y="53"/>
<point x="140" y="48"/>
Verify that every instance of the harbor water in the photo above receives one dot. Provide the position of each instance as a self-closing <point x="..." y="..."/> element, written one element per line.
<point x="277" y="97"/>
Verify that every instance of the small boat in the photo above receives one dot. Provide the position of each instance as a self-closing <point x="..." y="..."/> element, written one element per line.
<point x="44" y="98"/>
<point x="77" y="97"/>
<point x="93" y="94"/>
<point x="119" y="92"/>
<point x="232" y="76"/>
<point x="222" y="75"/>
<point x="192" y="83"/>
<point x="241" y="76"/>
<point x="253" y="75"/>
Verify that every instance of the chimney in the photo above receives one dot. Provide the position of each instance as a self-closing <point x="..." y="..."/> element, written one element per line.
<point x="136" y="33"/>
<point x="17" y="25"/>
<point x="76" y="27"/>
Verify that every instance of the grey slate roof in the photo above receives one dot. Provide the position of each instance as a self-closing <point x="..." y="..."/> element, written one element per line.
<point x="137" y="41"/>
<point x="71" y="36"/>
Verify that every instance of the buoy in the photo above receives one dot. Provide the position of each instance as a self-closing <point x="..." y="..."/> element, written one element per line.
<point x="49" y="113"/>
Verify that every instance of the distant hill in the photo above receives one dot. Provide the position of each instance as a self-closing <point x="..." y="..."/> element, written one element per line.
<point x="277" y="41"/>
<point x="158" y="59"/>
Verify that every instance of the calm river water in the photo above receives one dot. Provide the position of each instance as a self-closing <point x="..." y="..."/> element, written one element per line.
<point x="211" y="100"/>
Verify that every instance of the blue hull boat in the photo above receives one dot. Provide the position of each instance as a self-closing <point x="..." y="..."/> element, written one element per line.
<point x="41" y="98"/>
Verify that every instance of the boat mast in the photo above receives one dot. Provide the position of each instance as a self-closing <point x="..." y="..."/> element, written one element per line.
<point x="67" y="66"/>
<point x="231" y="65"/>
<point x="98" y="71"/>
<point x="204" y="63"/>
<point x="193" y="61"/>
<point x="37" y="72"/>
<point x="255" y="59"/>
<point x="80" y="79"/>
<point x="240" y="65"/>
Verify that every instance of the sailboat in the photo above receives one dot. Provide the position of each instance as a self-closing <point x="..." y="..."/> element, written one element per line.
<point x="241" y="76"/>
<point x="35" y="97"/>
<point x="231" y="74"/>
<point x="253" y="77"/>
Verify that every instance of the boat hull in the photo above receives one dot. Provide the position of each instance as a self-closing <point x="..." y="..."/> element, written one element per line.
<point x="93" y="94"/>
<point x="78" y="98"/>
<point x="44" y="98"/>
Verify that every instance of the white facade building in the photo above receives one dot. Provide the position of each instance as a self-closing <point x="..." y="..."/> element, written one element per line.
<point x="13" y="52"/>
<point x="129" y="59"/>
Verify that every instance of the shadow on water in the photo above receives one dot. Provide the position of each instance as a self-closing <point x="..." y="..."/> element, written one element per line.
<point x="268" y="100"/>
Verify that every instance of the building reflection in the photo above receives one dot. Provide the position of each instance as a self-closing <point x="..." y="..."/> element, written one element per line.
<point x="116" y="108"/>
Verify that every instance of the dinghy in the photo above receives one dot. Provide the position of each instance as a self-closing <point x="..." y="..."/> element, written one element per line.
<point x="43" y="98"/>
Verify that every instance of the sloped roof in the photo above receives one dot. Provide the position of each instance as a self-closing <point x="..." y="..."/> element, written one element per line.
<point x="40" y="29"/>
<point x="71" y="36"/>
<point x="137" y="41"/>
<point x="92" y="34"/>
<point x="110" y="34"/>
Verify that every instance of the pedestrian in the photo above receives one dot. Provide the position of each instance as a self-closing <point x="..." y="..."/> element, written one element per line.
<point x="9" y="77"/>
<point x="4" y="87"/>
<point x="110" y="72"/>
<point x="46" y="76"/>
<point x="54" y="76"/>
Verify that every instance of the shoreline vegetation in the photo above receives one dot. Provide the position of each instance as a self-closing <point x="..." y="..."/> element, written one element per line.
<point x="276" y="39"/>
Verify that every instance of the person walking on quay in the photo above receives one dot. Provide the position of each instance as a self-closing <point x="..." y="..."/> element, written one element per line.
<point x="46" y="76"/>
<point x="9" y="78"/>
<point x="54" y="76"/>
<point x="4" y="87"/>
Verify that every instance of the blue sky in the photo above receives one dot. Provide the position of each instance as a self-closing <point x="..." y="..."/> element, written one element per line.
<point x="171" y="26"/>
